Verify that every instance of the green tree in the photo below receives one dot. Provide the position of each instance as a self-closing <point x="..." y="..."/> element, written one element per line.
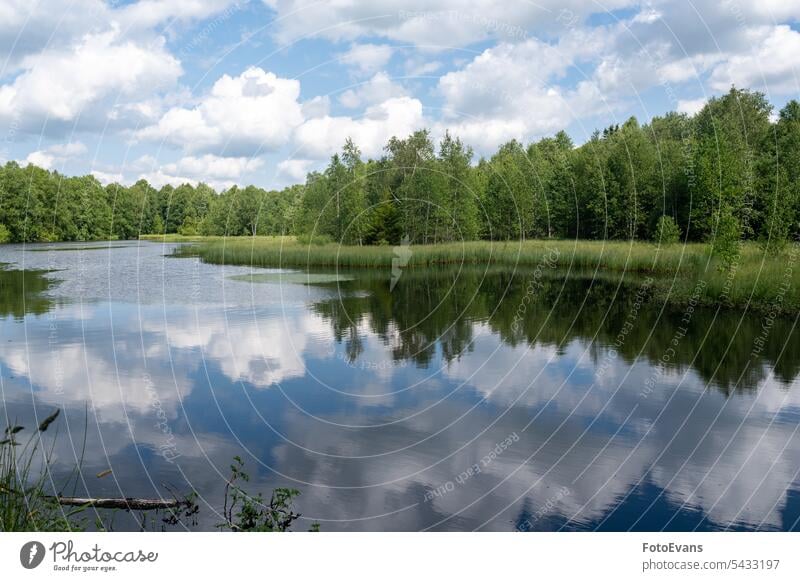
<point x="667" y="231"/>
<point x="457" y="210"/>
<point x="507" y="199"/>
<point x="732" y="133"/>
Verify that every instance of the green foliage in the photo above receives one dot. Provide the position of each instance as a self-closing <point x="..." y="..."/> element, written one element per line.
<point x="506" y="200"/>
<point x="726" y="241"/>
<point x="384" y="226"/>
<point x="667" y="231"/>
<point x="41" y="206"/>
<point x="245" y="512"/>
<point x="334" y="204"/>
<point x="734" y="143"/>
<point x="313" y="239"/>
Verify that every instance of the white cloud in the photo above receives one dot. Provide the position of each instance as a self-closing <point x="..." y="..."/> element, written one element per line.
<point x="736" y="42"/>
<point x="241" y="115"/>
<point x="367" y="58"/>
<point x="41" y="159"/>
<point x="106" y="178"/>
<point x="416" y="67"/>
<point x="218" y="172"/>
<point x="453" y="23"/>
<point x="27" y="28"/>
<point x="512" y="91"/>
<point x="648" y="15"/>
<point x="71" y="149"/>
<point x="213" y="166"/>
<point x="159" y="178"/>
<point x="317" y="107"/>
<point x="770" y="65"/>
<point x="691" y="106"/>
<point x="150" y="13"/>
<point x="294" y="170"/>
<point x="689" y="68"/>
<point x="318" y="138"/>
<point x="56" y="154"/>
<point x="64" y="85"/>
<point x="378" y="89"/>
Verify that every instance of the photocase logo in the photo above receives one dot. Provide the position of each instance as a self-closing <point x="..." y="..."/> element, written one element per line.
<point x="31" y="554"/>
<point x="402" y="254"/>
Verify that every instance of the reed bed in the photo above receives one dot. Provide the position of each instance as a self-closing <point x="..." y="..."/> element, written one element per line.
<point x="758" y="280"/>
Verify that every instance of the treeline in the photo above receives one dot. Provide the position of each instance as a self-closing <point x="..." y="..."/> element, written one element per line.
<point x="731" y="172"/>
<point x="37" y="205"/>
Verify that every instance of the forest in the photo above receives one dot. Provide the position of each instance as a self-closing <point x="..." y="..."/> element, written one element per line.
<point x="730" y="172"/>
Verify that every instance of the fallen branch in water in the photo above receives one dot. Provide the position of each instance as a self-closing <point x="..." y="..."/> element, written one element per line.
<point x="120" y="503"/>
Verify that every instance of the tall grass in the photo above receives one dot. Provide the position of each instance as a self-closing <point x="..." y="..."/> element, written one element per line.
<point x="25" y="504"/>
<point x="181" y="238"/>
<point x="756" y="282"/>
<point x="288" y="252"/>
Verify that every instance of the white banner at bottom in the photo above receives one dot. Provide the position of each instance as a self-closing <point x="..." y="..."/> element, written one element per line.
<point x="355" y="556"/>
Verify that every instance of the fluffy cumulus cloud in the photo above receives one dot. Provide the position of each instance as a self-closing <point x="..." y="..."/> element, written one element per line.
<point x="215" y="167"/>
<point x="90" y="64"/>
<point x="28" y="28"/>
<point x="106" y="178"/>
<point x="251" y="112"/>
<point x="378" y="89"/>
<point x="317" y="138"/>
<point x="367" y="58"/>
<point x="714" y="45"/>
<point x="690" y="106"/>
<point x="219" y="172"/>
<point x="510" y="92"/>
<point x="294" y="170"/>
<point x="56" y="154"/>
<point x="771" y="65"/>
<point x="63" y="85"/>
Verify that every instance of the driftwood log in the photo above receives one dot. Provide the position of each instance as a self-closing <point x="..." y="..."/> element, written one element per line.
<point x="122" y="503"/>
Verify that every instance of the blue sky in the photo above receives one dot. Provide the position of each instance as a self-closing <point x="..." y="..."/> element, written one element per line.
<point x="237" y="91"/>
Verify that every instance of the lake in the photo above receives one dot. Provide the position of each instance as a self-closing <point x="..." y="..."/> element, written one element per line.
<point x="443" y="399"/>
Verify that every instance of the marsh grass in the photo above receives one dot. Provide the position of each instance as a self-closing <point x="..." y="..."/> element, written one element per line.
<point x="172" y="238"/>
<point x="25" y="479"/>
<point x="759" y="280"/>
<point x="288" y="252"/>
<point x="291" y="278"/>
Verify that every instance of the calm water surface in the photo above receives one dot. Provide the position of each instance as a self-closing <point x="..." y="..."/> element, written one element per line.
<point x="458" y="400"/>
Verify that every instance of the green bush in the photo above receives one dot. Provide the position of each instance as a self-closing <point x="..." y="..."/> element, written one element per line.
<point x="726" y="242"/>
<point x="315" y="240"/>
<point x="248" y="512"/>
<point x="5" y="235"/>
<point x="667" y="231"/>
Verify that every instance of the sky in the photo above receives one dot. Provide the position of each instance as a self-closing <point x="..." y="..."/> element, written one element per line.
<point x="261" y="92"/>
